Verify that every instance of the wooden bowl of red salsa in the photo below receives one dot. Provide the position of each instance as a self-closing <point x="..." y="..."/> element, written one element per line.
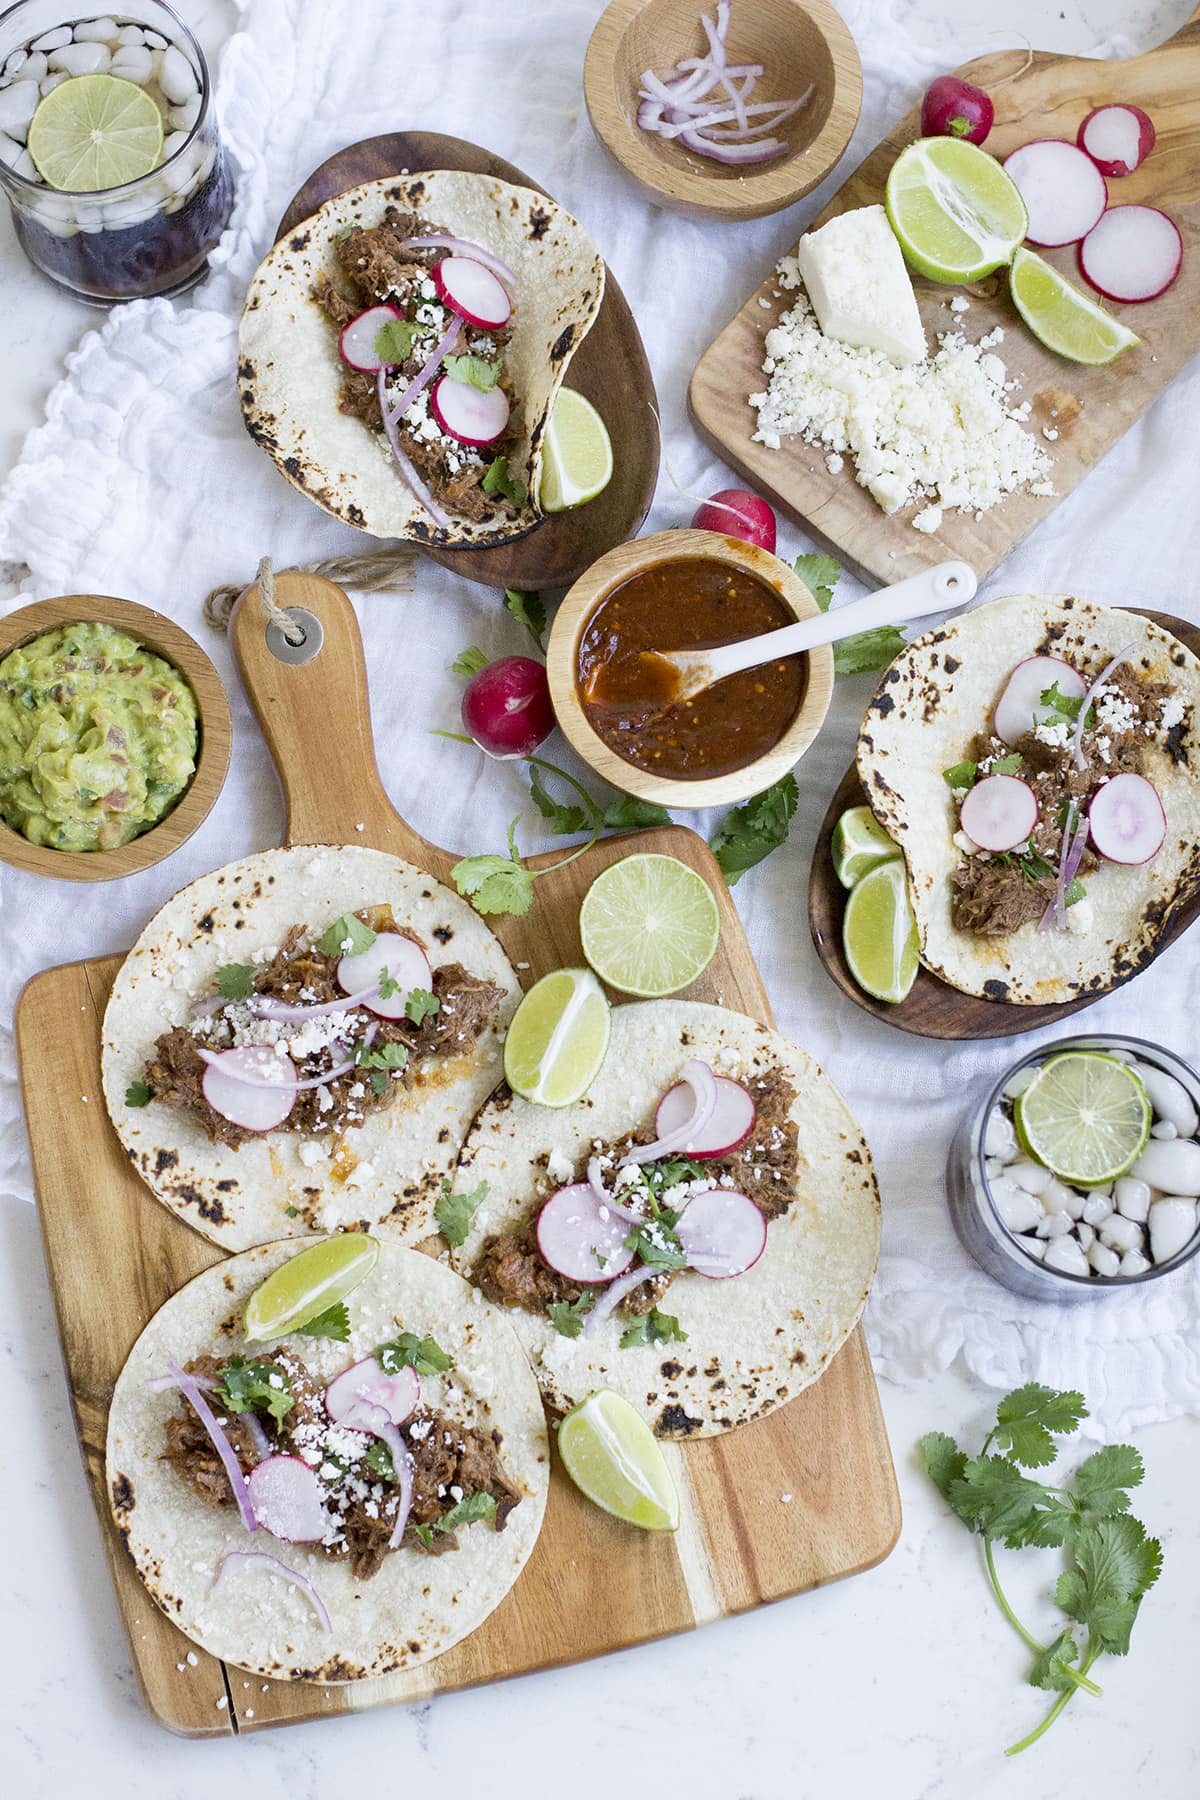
<point x="685" y="590"/>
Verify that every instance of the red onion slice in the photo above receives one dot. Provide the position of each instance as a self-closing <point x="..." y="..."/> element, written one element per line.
<point x="395" y="410"/>
<point x="729" y="1124"/>
<point x="463" y="247"/>
<point x="760" y="150"/>
<point x="244" y="1073"/>
<point x="613" y="1295"/>
<point x="703" y="1083"/>
<point x="1070" y="855"/>
<point x="265" y="1006"/>
<point x="363" y="1416"/>
<point x="595" y="1177"/>
<point x="1102" y="677"/>
<point x="190" y="1390"/>
<point x="412" y="480"/>
<point x="288" y="1500"/>
<point x="159" y="1384"/>
<point x="395" y="1395"/>
<point x="247" y="1559"/>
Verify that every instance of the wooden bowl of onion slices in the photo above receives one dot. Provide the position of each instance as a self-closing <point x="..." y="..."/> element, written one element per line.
<point x="725" y="109"/>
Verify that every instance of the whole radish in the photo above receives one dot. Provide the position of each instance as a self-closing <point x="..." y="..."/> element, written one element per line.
<point x="737" y="513"/>
<point x="954" y="108"/>
<point x="506" y="706"/>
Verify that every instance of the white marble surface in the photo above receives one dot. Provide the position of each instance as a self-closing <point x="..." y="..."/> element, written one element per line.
<point x="905" y="1680"/>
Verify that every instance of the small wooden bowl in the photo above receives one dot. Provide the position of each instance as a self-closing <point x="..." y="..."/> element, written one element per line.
<point x="575" y="614"/>
<point x="797" y="41"/>
<point x="169" y="641"/>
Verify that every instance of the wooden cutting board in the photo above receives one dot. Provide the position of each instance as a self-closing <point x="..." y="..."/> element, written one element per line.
<point x="114" y="1255"/>
<point x="1088" y="408"/>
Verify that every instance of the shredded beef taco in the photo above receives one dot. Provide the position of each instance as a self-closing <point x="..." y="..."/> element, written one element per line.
<point x="392" y="1511"/>
<point x="400" y="352"/>
<point x="1037" y="763"/>
<point x="699" y="1233"/>
<point x="299" y="1042"/>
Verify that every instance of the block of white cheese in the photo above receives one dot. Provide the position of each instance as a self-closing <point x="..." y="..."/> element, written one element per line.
<point x="857" y="281"/>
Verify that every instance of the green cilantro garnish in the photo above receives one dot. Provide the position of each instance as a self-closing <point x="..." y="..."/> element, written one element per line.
<point x="631" y="814"/>
<point x="470" y="1508"/>
<point x="496" y="884"/>
<point x="343" y="232"/>
<point x="254" y="1387"/>
<point x="387" y="985"/>
<point x="1034" y="867"/>
<point x="527" y="609"/>
<point x="334" y="1322"/>
<point x="425" y="1533"/>
<point x="347" y="936"/>
<point x="820" y="574"/>
<point x="1065" y="705"/>
<point x="454" y="1212"/>
<point x="378" y="1462"/>
<point x="653" y="1327"/>
<point x="669" y="1171"/>
<point x="866" y="651"/>
<point x="1111" y="1563"/>
<point x="961" y="775"/>
<point x="499" y="481"/>
<point x="753" y="830"/>
<point x="567" y="1316"/>
<point x="424" y="1355"/>
<point x="1075" y="892"/>
<point x="139" y="1093"/>
<point x="563" y="819"/>
<point x="388" y="1056"/>
<point x="1007" y="765"/>
<point x="468" y="662"/>
<point x="235" y="981"/>
<point x="421" y="1004"/>
<point x="394" y="341"/>
<point x="474" y="371"/>
<point x="292" y="1212"/>
<point x="657" y="1245"/>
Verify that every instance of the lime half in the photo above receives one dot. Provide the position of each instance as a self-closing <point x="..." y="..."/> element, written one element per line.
<point x="649" y="925"/>
<point x="1084" y="1115"/>
<point x="310" y="1283"/>
<point x="93" y="132"/>
<point x="879" y="933"/>
<point x="956" y="213"/>
<point x="577" y="459"/>
<point x="558" y="1038"/>
<point x="611" y="1455"/>
<point x="860" y="844"/>
<point x="1062" y="316"/>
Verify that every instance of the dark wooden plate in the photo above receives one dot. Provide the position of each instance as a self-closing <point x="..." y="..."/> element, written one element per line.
<point x="933" y="1009"/>
<point x="610" y="368"/>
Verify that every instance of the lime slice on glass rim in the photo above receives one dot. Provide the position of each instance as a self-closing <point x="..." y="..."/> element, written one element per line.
<point x="612" y="1456"/>
<point x="558" y="1038"/>
<point x="309" y="1284"/>
<point x="577" y="459"/>
<point x="1085" y="1116"/>
<point x="879" y="933"/>
<point x="1062" y="316"/>
<point x="860" y="844"/>
<point x="956" y="213"/>
<point x="93" y="132"/>
<point x="649" y="925"/>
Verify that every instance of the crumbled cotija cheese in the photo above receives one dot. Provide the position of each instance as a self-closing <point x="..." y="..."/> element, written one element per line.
<point x="940" y="430"/>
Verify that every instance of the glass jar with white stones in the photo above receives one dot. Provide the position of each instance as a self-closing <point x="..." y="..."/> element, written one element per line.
<point x="109" y="150"/>
<point x="1054" y="1239"/>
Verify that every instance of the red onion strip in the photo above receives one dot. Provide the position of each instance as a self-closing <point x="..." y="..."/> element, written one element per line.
<point x="265" y="1006"/>
<point x="1102" y="677"/>
<point x="299" y="1087"/>
<point x="708" y="116"/>
<point x="703" y="1084"/>
<point x="760" y="151"/>
<point x="411" y="479"/>
<point x="596" y="1183"/>
<point x="364" y="1415"/>
<point x="683" y="110"/>
<point x="614" y="1293"/>
<point x="1070" y="855"/>
<point x="441" y="241"/>
<point x="158" y="1384"/>
<point x="260" y="1559"/>
<point x="397" y="409"/>
<point x="222" y="1446"/>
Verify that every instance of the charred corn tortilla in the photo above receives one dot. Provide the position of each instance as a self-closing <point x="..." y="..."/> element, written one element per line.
<point x="754" y="1341"/>
<point x="935" y="697"/>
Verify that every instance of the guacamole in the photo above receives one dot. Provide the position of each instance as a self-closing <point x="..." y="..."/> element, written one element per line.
<point x="98" y="738"/>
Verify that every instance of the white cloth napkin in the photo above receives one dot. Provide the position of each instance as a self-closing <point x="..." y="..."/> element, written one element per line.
<point x="142" y="482"/>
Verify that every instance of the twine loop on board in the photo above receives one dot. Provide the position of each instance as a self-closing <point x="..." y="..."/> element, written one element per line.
<point x="378" y="574"/>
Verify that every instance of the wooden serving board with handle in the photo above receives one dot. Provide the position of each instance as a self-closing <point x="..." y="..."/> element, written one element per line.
<point x="1089" y="408"/>
<point x="114" y="1255"/>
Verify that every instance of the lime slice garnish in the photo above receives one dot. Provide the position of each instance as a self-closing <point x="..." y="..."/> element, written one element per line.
<point x="1084" y="1115"/>
<point x="558" y="1038"/>
<point x="649" y="925"/>
<point x="956" y="213"/>
<point x="93" y="132"/>
<point x="859" y="844"/>
<point x="309" y="1283"/>
<point x="611" y="1455"/>
<point x="577" y="460"/>
<point x="879" y="933"/>
<point x="1062" y="316"/>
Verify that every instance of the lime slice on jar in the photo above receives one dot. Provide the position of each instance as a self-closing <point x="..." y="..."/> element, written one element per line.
<point x="956" y="213"/>
<point x="860" y="844"/>
<point x="93" y="132"/>
<point x="649" y="925"/>
<point x="309" y="1284"/>
<point x="1085" y="1116"/>
<point x="879" y="933"/>
<point x="612" y="1456"/>
<point x="558" y="1038"/>
<point x="1062" y="316"/>
<point x="577" y="459"/>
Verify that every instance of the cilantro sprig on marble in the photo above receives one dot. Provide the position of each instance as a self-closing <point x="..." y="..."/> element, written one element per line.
<point x="1110" y="1561"/>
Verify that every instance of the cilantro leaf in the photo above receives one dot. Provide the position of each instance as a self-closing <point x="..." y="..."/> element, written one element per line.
<point x="470" y="1509"/>
<point x="496" y="884"/>
<point x="567" y="1316"/>
<point x="668" y="1171"/>
<point x="425" y="1355"/>
<point x="139" y="1093"/>
<point x="388" y="1056"/>
<point x="1052" y="1664"/>
<point x="1007" y="765"/>
<point x="454" y="1212"/>
<point x="653" y="1327"/>
<point x="1066" y="705"/>
<point x="425" y="1533"/>
<point x="1034" y="867"/>
<point x="994" y="1498"/>
<point x="334" y="1322"/>
<point x="528" y="611"/>
<point x="961" y="775"/>
<point x="387" y="986"/>
<point x="942" y="1461"/>
<point x="1102" y="1483"/>
<point x="421" y="1005"/>
<point x="254" y="1387"/>
<point x="820" y="575"/>
<point x="752" y="830"/>
<point x="1115" y="1564"/>
<point x="378" y="1462"/>
<point x="1026" y="1418"/>
<point x="657" y="1245"/>
<point x="868" y="651"/>
<point x="469" y="662"/>
<point x="394" y="341"/>
<point x="564" y="819"/>
<point x="1076" y="891"/>
<point x="631" y="814"/>
<point x="347" y="936"/>
<point x="235" y="981"/>
<point x="474" y="371"/>
<point x="499" y="481"/>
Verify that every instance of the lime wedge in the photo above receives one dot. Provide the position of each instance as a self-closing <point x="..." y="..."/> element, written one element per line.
<point x="859" y="844"/>
<point x="1084" y="1115"/>
<point x="1062" y="316"/>
<point x="611" y="1455"/>
<point x="649" y="925"/>
<point x="956" y="213"/>
<point x="558" y="1038"/>
<point x="309" y="1283"/>
<point x="577" y="461"/>
<point x="879" y="933"/>
<point x="93" y="132"/>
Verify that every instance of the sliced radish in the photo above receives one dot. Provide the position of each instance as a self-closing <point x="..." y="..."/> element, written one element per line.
<point x="406" y="963"/>
<point x="356" y="344"/>
<point x="1020" y="708"/>
<point x="1127" y="820"/>
<point x="250" y="1087"/>
<point x="1062" y="188"/>
<point x="287" y="1500"/>
<point x="1133" y="253"/>
<point x="722" y="1233"/>
<point x="729" y="1124"/>
<point x="470" y="414"/>
<point x="581" y="1237"/>
<point x="1117" y="138"/>
<point x="473" y="292"/>
<point x="397" y="1395"/>
<point x="999" y="812"/>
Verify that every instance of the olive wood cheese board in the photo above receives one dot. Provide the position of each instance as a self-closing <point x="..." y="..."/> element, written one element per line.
<point x="609" y="368"/>
<point x="114" y="1255"/>
<point x="932" y="1008"/>
<point x="1087" y="408"/>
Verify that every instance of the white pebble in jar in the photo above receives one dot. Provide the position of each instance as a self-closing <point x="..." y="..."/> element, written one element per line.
<point x="80" y="59"/>
<point x="1065" y="1255"/>
<point x="1031" y="1176"/>
<point x="96" y="31"/>
<point x="1102" y="1260"/>
<point x="1133" y="1198"/>
<point x="177" y="77"/>
<point x="1121" y="1234"/>
<point x="1170" y="1099"/>
<point x="1174" y="1167"/>
<point x="999" y="1139"/>
<point x="1172" y="1225"/>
